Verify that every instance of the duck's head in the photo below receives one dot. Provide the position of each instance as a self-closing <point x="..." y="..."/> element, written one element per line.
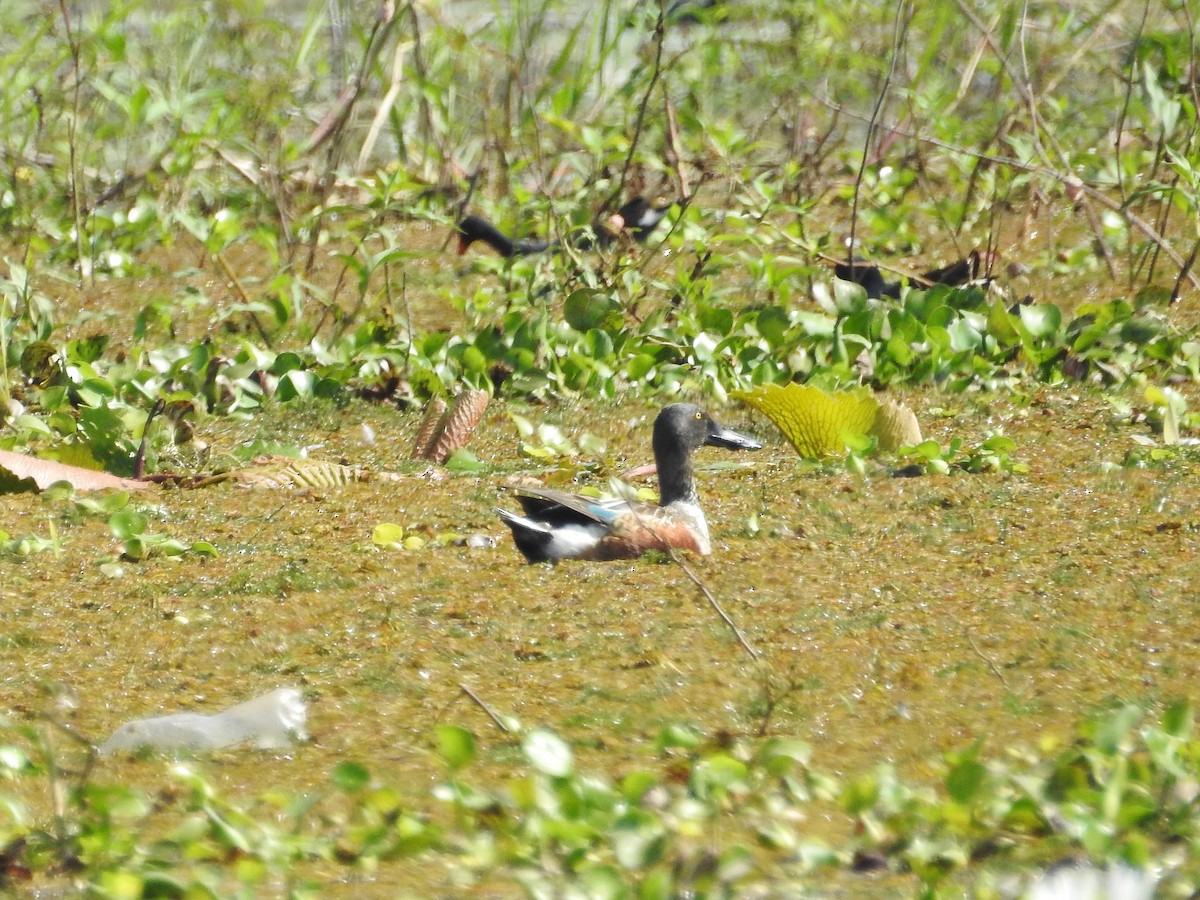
<point x="684" y="427"/>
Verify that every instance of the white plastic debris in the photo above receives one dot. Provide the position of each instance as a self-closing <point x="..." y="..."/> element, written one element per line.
<point x="1085" y="882"/>
<point x="271" y="721"/>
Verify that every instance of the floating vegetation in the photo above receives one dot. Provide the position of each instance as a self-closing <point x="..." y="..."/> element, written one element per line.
<point x="819" y="424"/>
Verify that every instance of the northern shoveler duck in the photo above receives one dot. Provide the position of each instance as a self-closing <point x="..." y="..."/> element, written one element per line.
<point x="963" y="271"/>
<point x="638" y="218"/>
<point x="557" y="525"/>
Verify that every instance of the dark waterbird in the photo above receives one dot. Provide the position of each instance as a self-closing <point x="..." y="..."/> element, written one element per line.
<point x="637" y="218"/>
<point x="557" y="525"/>
<point x="963" y="271"/>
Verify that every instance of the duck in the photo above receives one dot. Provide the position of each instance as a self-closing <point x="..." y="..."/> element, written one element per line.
<point x="639" y="217"/>
<point x="556" y="525"/>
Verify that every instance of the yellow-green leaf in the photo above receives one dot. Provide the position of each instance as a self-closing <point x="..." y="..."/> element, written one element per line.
<point x="812" y="420"/>
<point x="387" y="534"/>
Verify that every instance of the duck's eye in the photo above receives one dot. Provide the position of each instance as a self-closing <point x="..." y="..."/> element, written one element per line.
<point x="699" y="416"/>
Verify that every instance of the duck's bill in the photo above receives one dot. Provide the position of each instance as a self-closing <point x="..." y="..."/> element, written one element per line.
<point x="719" y="436"/>
<point x="463" y="244"/>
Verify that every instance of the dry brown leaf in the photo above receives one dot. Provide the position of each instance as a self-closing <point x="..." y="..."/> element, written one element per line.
<point x="277" y="474"/>
<point x="46" y="472"/>
<point x="458" y="425"/>
<point x="427" y="431"/>
<point x="896" y="426"/>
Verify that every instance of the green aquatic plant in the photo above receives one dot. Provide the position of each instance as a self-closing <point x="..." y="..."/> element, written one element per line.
<point x="819" y="423"/>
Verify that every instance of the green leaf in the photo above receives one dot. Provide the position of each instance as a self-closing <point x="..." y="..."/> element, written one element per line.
<point x="350" y="777"/>
<point x="121" y="885"/>
<point x="965" y="779"/>
<point x="637" y="840"/>
<point x="387" y="535"/>
<point x="549" y="753"/>
<point x="457" y="746"/>
<point x="463" y="461"/>
<point x="779" y="756"/>
<point x="1041" y="320"/>
<point x="127" y="524"/>
<point x="635" y="785"/>
<point x="772" y="323"/>
<point x="588" y="309"/>
<point x="1177" y="721"/>
<point x="722" y="770"/>
<point x="677" y="736"/>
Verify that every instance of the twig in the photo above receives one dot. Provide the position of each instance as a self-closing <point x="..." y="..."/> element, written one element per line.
<point x="675" y="152"/>
<point x="1183" y="273"/>
<point x="991" y="665"/>
<point x="72" y="127"/>
<point x="1023" y="83"/>
<point x="1067" y="178"/>
<point x="656" y="72"/>
<point x="1120" y="129"/>
<point x="237" y="286"/>
<point x="741" y="638"/>
<point x="499" y="723"/>
<point x="139" y="459"/>
<point x="384" y="108"/>
<point x="898" y="32"/>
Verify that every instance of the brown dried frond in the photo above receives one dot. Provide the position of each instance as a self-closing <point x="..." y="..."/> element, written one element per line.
<point x="458" y="425"/>
<point x="428" y="430"/>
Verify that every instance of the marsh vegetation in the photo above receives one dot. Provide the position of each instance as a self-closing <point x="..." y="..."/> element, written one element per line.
<point x="231" y="239"/>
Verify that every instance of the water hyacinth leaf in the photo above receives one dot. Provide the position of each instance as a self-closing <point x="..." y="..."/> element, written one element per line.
<point x="548" y="753"/>
<point x="857" y="444"/>
<point x="639" y="367"/>
<point x="388" y="535"/>
<point x="457" y="745"/>
<point x="602" y="881"/>
<point x="965" y="779"/>
<point x="772" y="323"/>
<point x="1042" y="320"/>
<point x="463" y="461"/>
<point x="294" y="384"/>
<point x="716" y="774"/>
<point x="126" y="524"/>
<point x="588" y="309"/>
<point x="637" y="840"/>
<point x="964" y="336"/>
<point x="122" y="884"/>
<point x="998" y="443"/>
<point x="780" y="755"/>
<point x="350" y="777"/>
<point x="1178" y="720"/>
<point x="812" y="420"/>
<point x="677" y="736"/>
<point x="635" y="785"/>
<point x="136" y="549"/>
<point x="717" y="319"/>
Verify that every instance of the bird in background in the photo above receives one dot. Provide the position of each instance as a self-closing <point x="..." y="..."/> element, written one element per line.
<point x="638" y="218"/>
